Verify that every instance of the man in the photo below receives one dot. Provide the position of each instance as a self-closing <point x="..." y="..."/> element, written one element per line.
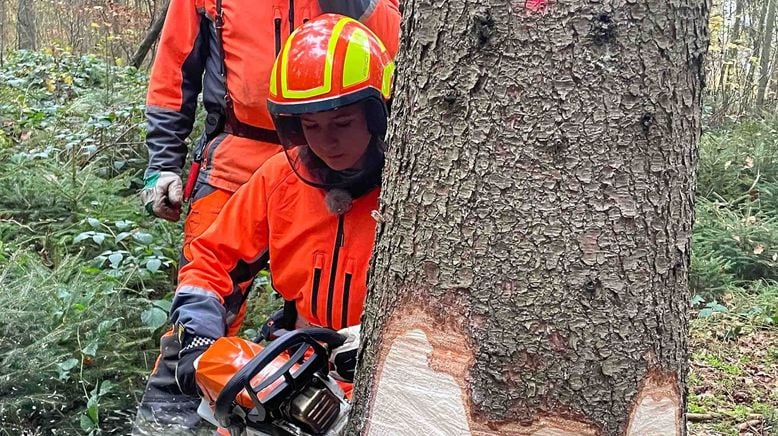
<point x="224" y="49"/>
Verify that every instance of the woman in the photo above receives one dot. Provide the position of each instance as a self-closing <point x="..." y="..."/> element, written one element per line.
<point x="309" y="209"/>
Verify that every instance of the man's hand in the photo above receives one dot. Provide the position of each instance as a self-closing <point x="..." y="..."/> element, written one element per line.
<point x="343" y="359"/>
<point x="163" y="194"/>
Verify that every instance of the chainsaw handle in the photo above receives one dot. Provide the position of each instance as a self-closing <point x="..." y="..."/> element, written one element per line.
<point x="330" y="337"/>
<point x="296" y="343"/>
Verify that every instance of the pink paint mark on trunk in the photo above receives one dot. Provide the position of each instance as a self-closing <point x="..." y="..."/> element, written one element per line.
<point x="536" y="5"/>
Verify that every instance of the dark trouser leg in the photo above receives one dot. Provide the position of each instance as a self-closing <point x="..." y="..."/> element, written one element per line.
<point x="163" y="408"/>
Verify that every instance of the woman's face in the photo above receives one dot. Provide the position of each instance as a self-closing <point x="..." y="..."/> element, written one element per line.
<point x="339" y="137"/>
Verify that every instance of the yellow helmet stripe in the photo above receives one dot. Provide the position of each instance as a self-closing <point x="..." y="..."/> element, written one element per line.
<point x="274" y="79"/>
<point x="386" y="84"/>
<point x="356" y="68"/>
<point x="326" y="86"/>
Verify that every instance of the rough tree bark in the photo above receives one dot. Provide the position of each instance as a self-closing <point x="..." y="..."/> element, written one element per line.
<point x="531" y="267"/>
<point x="151" y="37"/>
<point x="25" y="26"/>
<point x="764" y="57"/>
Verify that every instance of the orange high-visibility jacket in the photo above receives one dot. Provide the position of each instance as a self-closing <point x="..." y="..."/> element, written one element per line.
<point x="189" y="61"/>
<point x="319" y="260"/>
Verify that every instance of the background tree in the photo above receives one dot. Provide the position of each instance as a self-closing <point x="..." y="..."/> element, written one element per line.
<point x="765" y="57"/>
<point x="531" y="273"/>
<point x="2" y="32"/>
<point x="730" y="57"/>
<point x="110" y="29"/>
<point x="742" y="51"/>
<point x="25" y="26"/>
<point x="151" y="38"/>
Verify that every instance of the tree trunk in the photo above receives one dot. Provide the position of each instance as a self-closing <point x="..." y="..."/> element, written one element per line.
<point x="2" y="33"/>
<point x="764" y="57"/>
<point x="774" y="81"/>
<point x="531" y="268"/>
<point x="151" y="37"/>
<point x="757" y="40"/>
<point x="729" y="67"/>
<point x="25" y="26"/>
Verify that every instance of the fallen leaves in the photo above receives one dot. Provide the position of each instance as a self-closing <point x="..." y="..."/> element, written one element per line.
<point x="733" y="381"/>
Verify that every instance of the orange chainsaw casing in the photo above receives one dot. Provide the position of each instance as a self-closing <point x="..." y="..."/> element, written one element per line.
<point x="225" y="357"/>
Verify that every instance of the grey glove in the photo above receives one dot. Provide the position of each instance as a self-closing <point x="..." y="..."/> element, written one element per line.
<point x="343" y="359"/>
<point x="163" y="194"/>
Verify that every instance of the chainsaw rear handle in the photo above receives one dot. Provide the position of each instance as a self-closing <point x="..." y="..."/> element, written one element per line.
<point x="297" y="344"/>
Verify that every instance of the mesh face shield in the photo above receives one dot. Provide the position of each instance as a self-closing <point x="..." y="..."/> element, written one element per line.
<point x="313" y="171"/>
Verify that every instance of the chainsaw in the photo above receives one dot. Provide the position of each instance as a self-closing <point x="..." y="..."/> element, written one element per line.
<point x="280" y="389"/>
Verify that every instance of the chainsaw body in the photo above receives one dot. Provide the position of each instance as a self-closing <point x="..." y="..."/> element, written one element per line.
<point x="282" y="388"/>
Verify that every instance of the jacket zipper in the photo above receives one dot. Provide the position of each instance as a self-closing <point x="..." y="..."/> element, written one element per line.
<point x="291" y="16"/>
<point x="334" y="270"/>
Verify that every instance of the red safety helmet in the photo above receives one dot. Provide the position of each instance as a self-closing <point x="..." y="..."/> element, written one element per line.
<point x="329" y="62"/>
